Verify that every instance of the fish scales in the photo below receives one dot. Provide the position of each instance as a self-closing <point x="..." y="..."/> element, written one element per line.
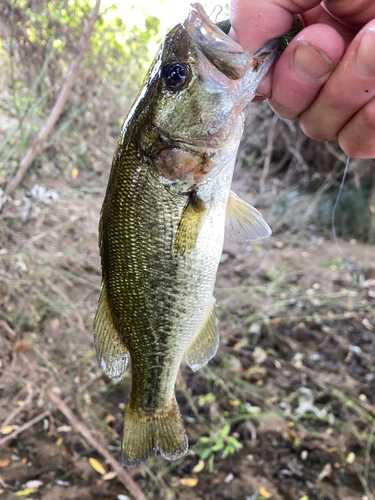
<point x="161" y="291"/>
<point x="162" y="225"/>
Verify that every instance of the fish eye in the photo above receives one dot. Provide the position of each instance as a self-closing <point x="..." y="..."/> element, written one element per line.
<point x="176" y="74"/>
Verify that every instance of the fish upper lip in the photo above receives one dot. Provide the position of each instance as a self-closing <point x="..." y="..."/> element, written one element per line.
<point x="226" y="54"/>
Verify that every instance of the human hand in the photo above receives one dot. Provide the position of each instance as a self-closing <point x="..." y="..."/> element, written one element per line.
<point x="326" y="76"/>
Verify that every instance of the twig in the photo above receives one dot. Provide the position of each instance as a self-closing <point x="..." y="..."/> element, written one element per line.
<point x="78" y="279"/>
<point x="159" y="479"/>
<point x="369" y="495"/>
<point x="97" y="151"/>
<point x="25" y="404"/>
<point x="59" y="104"/>
<point x="339" y="155"/>
<point x="4" y="441"/>
<point x="63" y="295"/>
<point x="371" y="205"/>
<point x="268" y="153"/>
<point x="368" y="451"/>
<point x="8" y="329"/>
<point x="123" y="476"/>
<point x="184" y="389"/>
<point x="251" y="427"/>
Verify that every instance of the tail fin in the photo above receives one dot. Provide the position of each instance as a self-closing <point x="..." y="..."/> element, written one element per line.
<point x="161" y="432"/>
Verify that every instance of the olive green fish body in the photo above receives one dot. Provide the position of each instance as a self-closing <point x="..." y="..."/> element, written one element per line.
<point x="158" y="297"/>
<point x="162" y="225"/>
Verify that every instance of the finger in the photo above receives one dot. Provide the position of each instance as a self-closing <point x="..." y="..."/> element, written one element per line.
<point x="320" y="15"/>
<point x="255" y="22"/>
<point x="352" y="13"/>
<point x="350" y="87"/>
<point x="357" y="137"/>
<point x="264" y="89"/>
<point x="303" y="69"/>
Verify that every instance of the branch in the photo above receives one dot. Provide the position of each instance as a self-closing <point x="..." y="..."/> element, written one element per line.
<point x="59" y="104"/>
<point x="26" y="403"/>
<point x="123" y="476"/>
<point x="5" y="440"/>
<point x="268" y="153"/>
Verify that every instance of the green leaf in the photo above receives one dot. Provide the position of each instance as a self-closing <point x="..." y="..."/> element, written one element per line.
<point x="225" y="430"/>
<point x="205" y="453"/>
<point x="234" y="442"/>
<point x="219" y="445"/>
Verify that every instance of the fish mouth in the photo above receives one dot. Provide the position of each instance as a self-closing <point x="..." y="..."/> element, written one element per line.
<point x="200" y="144"/>
<point x="226" y="54"/>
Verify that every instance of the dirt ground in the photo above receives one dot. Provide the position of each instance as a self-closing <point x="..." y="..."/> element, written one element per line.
<point x="284" y="411"/>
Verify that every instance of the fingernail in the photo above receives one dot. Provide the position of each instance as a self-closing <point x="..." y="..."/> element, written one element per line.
<point x="310" y="63"/>
<point x="365" y="59"/>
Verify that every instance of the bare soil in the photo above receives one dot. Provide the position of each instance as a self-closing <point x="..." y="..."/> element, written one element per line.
<point x="294" y="376"/>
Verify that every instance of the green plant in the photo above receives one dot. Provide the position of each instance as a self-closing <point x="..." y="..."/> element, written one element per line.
<point x="219" y="442"/>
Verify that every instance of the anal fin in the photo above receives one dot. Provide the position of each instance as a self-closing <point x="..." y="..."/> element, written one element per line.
<point x="205" y="343"/>
<point x="110" y="350"/>
<point x="244" y="222"/>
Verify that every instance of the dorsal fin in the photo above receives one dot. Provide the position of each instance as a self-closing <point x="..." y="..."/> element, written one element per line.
<point x="244" y="222"/>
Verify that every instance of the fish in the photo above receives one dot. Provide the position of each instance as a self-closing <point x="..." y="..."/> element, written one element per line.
<point x="162" y="224"/>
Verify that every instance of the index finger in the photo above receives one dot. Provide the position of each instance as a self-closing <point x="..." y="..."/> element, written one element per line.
<point x="255" y="22"/>
<point x="352" y="14"/>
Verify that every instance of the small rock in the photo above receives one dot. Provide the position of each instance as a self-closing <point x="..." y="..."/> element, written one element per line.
<point x="350" y="458"/>
<point x="326" y="472"/>
<point x="34" y="484"/>
<point x="259" y="355"/>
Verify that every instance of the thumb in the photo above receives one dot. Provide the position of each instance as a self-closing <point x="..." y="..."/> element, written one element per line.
<point x="255" y="22"/>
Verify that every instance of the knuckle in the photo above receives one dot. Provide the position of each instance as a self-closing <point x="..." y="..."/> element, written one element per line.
<point x="283" y="112"/>
<point x="357" y="138"/>
<point x="355" y="147"/>
<point x="367" y="116"/>
<point x="312" y="130"/>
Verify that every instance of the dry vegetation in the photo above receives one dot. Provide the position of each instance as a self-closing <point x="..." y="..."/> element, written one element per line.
<point x="286" y="410"/>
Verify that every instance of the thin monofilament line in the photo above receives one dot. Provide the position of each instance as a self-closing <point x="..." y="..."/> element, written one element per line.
<point x="336" y="203"/>
<point x="217" y="10"/>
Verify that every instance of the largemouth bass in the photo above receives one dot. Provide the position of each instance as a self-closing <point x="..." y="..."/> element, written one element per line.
<point x="162" y="224"/>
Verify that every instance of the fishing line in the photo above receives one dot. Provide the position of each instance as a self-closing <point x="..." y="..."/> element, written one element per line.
<point x="218" y="8"/>
<point x="335" y="207"/>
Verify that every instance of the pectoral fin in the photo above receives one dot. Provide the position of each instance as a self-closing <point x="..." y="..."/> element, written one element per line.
<point x="110" y="350"/>
<point x="191" y="223"/>
<point x="244" y="222"/>
<point x="205" y="343"/>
